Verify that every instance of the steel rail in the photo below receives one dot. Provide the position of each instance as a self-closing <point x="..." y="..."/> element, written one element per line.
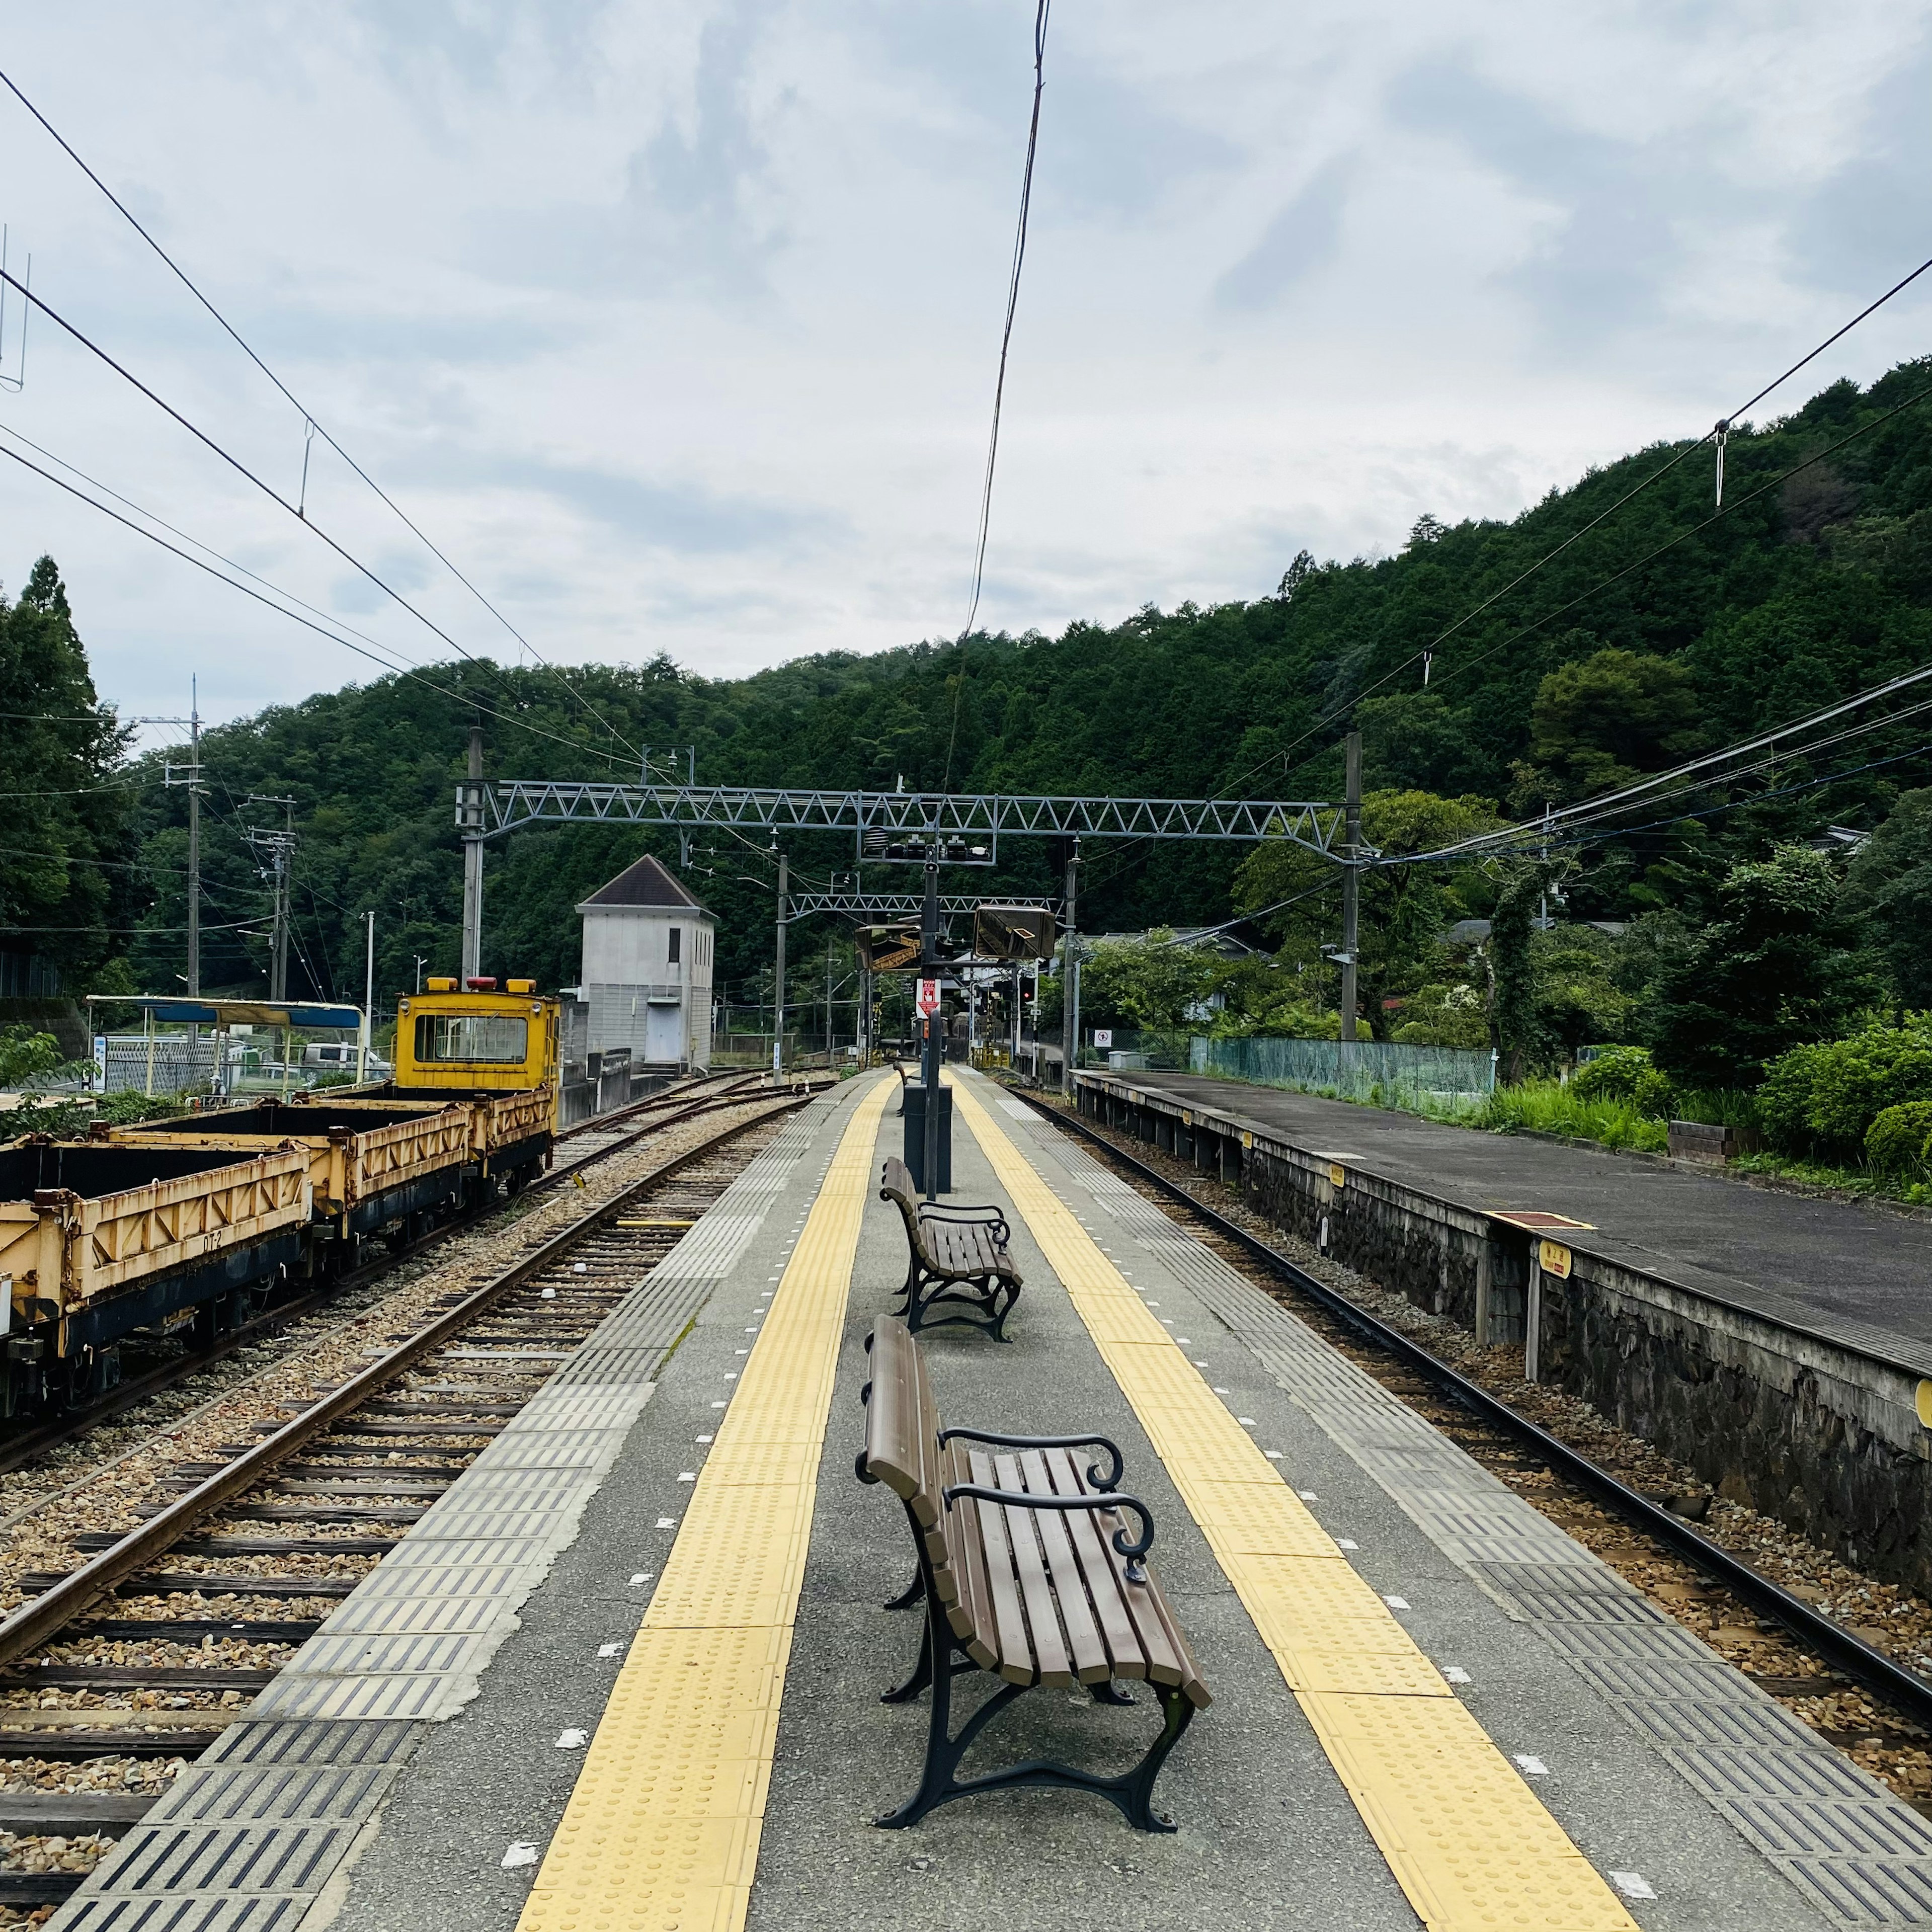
<point x="32" y="1624"/>
<point x="1905" y="1689"/>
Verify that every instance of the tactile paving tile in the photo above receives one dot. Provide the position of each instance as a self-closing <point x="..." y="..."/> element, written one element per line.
<point x="293" y="1695"/>
<point x="273" y="1794"/>
<point x="1723" y="1771"/>
<point x="413" y="1612"/>
<point x="220" y="1911"/>
<point x="1867" y="1891"/>
<point x="1826" y="1827"/>
<point x="1635" y="1643"/>
<point x="236" y="1858"/>
<point x="259" y="1741"/>
<point x="1473" y="1851"/>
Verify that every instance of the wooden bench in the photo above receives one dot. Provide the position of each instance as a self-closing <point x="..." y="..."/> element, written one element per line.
<point x="1027" y="1572"/>
<point x="957" y="1268"/>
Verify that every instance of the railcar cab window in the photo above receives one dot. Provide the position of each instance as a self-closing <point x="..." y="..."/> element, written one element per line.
<point x="472" y="1039"/>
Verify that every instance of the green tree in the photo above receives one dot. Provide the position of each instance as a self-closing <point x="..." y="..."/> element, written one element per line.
<point x="1775" y="969"/>
<point x="1295" y="895"/>
<point x="1602" y="722"/>
<point x="1889" y="887"/>
<point x="1149" y="982"/>
<point x="68" y="823"/>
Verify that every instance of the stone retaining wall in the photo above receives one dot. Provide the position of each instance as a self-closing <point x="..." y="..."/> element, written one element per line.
<point x="1821" y="1434"/>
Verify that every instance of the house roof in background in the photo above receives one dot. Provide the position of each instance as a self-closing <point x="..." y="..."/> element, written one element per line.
<point x="648" y="885"/>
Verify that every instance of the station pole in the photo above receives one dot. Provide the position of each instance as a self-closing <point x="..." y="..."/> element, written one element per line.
<point x="1351" y="879"/>
<point x="778" y="979"/>
<point x="471" y="818"/>
<point x="194" y="880"/>
<point x="928" y="967"/>
<point x="368" y="1004"/>
<point x="1070" y="985"/>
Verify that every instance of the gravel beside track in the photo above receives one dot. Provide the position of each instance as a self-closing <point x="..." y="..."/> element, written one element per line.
<point x="1889" y="1745"/>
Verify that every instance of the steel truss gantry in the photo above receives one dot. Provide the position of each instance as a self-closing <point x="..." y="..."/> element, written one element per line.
<point x="969" y="819"/>
<point x="889" y="908"/>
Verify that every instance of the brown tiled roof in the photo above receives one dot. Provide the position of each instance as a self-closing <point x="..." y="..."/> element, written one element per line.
<point x="648" y="882"/>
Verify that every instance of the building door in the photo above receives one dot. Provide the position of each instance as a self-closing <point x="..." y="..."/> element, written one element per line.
<point x="664" y="1034"/>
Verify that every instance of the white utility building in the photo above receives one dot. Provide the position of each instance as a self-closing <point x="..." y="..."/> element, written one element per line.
<point x="647" y="948"/>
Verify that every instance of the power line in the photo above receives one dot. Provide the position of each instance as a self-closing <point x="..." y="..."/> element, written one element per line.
<point x="235" y="463"/>
<point x="1045" y="7"/>
<point x="459" y="697"/>
<point x="308" y="415"/>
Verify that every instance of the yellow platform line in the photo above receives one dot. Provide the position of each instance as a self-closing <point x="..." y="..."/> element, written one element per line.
<point x="662" y="1831"/>
<point x="1466" y="1839"/>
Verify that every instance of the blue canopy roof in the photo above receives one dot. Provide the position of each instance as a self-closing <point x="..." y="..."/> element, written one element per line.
<point x="224" y="1013"/>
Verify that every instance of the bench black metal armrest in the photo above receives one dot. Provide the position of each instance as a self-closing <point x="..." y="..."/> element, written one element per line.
<point x="1134" y="1551"/>
<point x="1093" y="1475"/>
<point x="988" y="1217"/>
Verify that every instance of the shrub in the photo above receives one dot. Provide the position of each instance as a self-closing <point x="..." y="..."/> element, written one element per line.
<point x="1896" y="1143"/>
<point x="1612" y="1074"/>
<point x="1826" y="1097"/>
<point x="1624" y="1074"/>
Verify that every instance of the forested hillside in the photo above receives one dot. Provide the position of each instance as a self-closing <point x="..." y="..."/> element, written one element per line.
<point x="1817" y="586"/>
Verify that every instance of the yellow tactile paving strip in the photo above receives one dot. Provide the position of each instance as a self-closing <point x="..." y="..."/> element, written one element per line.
<point x="1466" y="1839"/>
<point x="662" y="1831"/>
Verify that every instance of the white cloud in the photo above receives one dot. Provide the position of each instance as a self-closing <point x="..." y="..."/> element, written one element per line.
<point x="675" y="323"/>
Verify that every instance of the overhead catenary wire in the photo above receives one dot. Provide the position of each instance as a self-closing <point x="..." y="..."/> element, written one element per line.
<point x="1045" y="7"/>
<point x="334" y="635"/>
<point x="312" y="427"/>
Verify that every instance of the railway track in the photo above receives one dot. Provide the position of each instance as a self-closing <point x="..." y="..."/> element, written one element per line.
<point x="133" y="1660"/>
<point x="1848" y="1690"/>
<point x="578" y="1149"/>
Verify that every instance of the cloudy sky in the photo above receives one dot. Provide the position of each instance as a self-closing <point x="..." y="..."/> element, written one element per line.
<point x="675" y="324"/>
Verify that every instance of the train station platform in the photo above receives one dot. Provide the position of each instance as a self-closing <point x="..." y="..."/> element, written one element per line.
<point x="1855" y="1270"/>
<point x="630" y="1682"/>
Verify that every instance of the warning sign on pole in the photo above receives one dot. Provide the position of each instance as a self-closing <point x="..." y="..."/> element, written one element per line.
<point x="928" y="996"/>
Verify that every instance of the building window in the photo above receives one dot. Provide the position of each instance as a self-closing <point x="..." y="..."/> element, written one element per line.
<point x="676" y="941"/>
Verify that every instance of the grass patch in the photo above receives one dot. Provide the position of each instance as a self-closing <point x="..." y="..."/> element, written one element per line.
<point x="1548" y="1107"/>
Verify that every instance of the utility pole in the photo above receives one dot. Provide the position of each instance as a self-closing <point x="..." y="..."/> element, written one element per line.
<point x="470" y="823"/>
<point x="368" y="1003"/>
<point x="278" y="847"/>
<point x="190" y="776"/>
<point x="1351" y="878"/>
<point x="777" y="978"/>
<point x="828" y="999"/>
<point x="1070" y="985"/>
<point x="421" y="963"/>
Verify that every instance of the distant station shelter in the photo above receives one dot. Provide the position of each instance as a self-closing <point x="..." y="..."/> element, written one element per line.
<point x="647" y="951"/>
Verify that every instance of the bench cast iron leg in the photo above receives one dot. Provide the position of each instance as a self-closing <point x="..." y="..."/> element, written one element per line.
<point x="910" y="1595"/>
<point x="1132" y="1792"/>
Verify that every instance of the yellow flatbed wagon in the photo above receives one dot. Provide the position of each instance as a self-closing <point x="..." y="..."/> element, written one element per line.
<point x="97" y="1239"/>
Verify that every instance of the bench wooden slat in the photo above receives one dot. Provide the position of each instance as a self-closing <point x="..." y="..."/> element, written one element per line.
<point x="1050" y="1661"/>
<point x="1143" y="1601"/>
<point x="971" y="1616"/>
<point x="1102" y="1579"/>
<point x="1076" y="1614"/>
<point x="1015" y="1663"/>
